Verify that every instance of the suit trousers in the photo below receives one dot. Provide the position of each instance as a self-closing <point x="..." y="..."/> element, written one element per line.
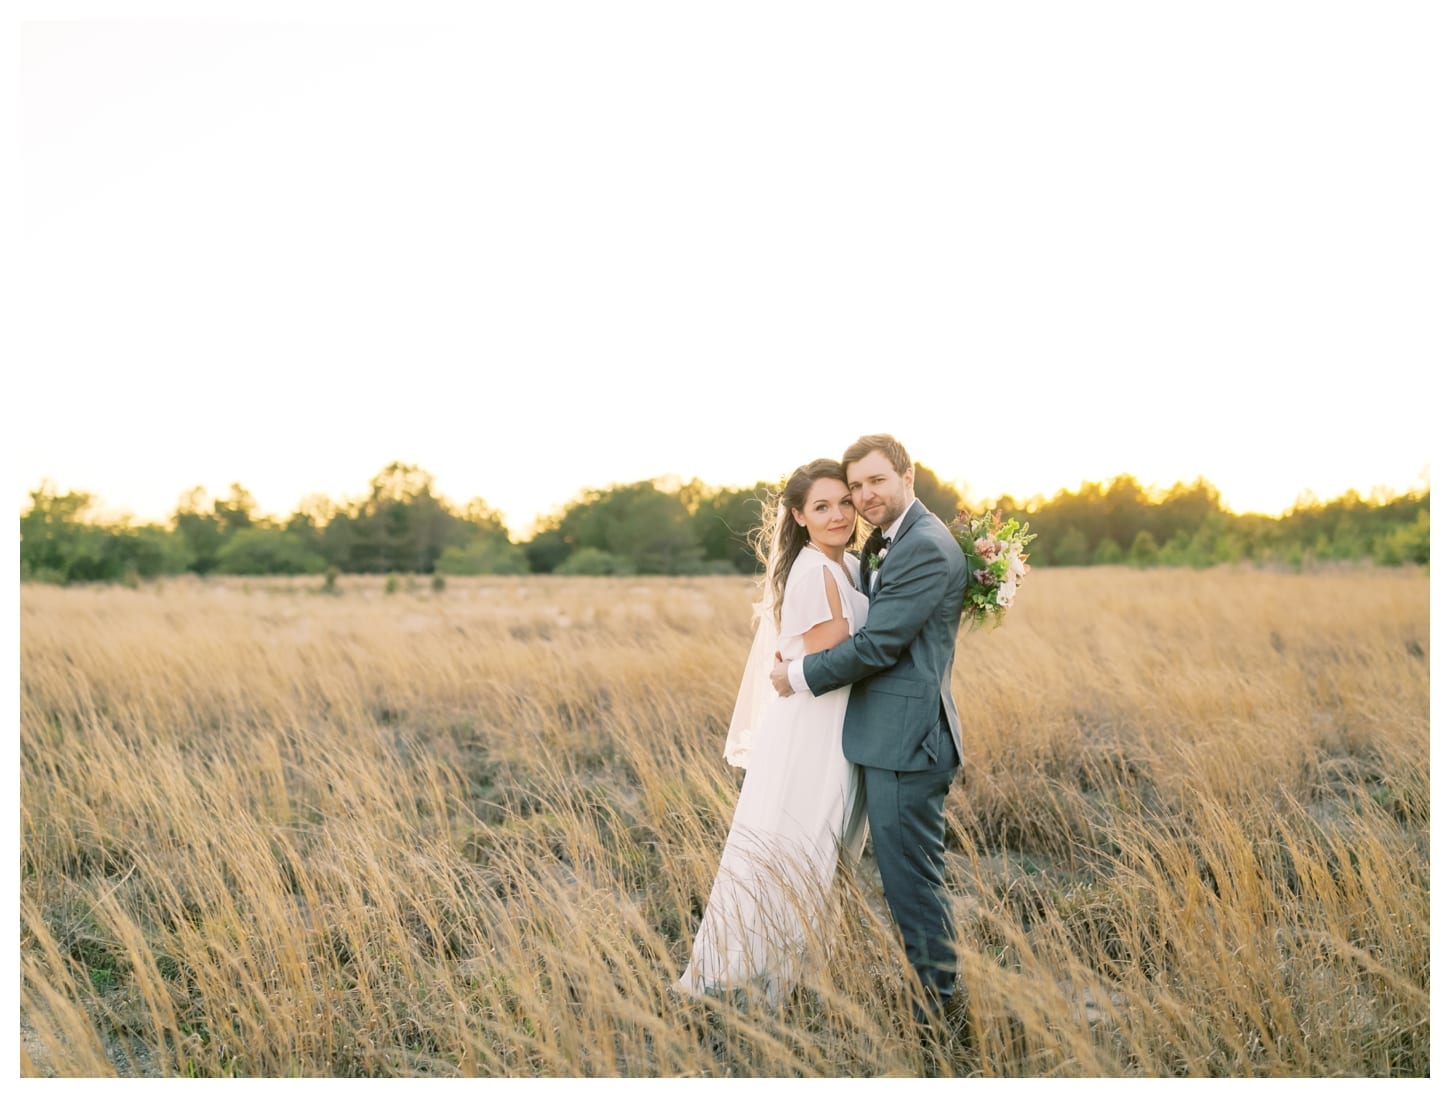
<point x="908" y="833"/>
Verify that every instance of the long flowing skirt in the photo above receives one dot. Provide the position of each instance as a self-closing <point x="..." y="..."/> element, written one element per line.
<point x="801" y="808"/>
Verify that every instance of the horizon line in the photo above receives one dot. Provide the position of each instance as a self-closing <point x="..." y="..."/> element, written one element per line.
<point x="111" y="514"/>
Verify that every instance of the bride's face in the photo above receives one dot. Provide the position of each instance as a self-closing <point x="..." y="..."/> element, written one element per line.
<point x="829" y="516"/>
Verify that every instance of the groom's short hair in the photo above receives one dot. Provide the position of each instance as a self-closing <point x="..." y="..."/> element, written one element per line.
<point x="894" y="451"/>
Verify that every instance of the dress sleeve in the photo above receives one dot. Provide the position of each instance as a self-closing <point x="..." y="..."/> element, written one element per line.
<point x="804" y="603"/>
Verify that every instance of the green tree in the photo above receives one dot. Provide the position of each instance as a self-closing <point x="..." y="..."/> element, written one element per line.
<point x="1183" y="509"/>
<point x="235" y="512"/>
<point x="1126" y="508"/>
<point x="483" y="521"/>
<point x="549" y="547"/>
<point x="648" y="529"/>
<point x="1082" y="511"/>
<point x="483" y="556"/>
<point x="338" y="541"/>
<point x="590" y="561"/>
<point x="1108" y="552"/>
<point x="144" y="552"/>
<point x="724" y="522"/>
<point x="1185" y="550"/>
<point x="57" y="545"/>
<point x="1071" y="549"/>
<point x="201" y="529"/>
<point x="1406" y="543"/>
<point x="265" y="550"/>
<point x="402" y="526"/>
<point x="941" y="499"/>
<point x="308" y="524"/>
<point x="1144" y="550"/>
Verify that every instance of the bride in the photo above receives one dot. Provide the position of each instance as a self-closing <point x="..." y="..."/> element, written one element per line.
<point x="802" y="804"/>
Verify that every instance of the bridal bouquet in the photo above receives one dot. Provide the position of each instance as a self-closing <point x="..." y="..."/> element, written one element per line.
<point x="996" y="563"/>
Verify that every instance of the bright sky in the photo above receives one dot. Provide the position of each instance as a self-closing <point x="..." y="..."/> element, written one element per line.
<point x="546" y="246"/>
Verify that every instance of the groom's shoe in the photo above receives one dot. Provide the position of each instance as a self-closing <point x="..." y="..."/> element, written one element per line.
<point x="932" y="1034"/>
<point x="947" y="1037"/>
<point x="957" y="1020"/>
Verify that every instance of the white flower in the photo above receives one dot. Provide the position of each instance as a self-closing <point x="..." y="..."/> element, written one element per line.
<point x="1006" y="592"/>
<point x="1016" y="567"/>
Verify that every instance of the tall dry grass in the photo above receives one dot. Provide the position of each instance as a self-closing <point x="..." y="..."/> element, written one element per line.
<point x="267" y="831"/>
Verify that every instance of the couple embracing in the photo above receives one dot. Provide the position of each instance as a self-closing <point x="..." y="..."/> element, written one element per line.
<point x="845" y="717"/>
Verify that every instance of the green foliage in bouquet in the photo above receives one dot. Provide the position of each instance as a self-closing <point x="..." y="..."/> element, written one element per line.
<point x="996" y="563"/>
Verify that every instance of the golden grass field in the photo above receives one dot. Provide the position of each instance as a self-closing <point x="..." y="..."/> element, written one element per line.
<point x="267" y="831"/>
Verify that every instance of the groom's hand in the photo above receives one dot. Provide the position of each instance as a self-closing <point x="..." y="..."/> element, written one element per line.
<point x="780" y="677"/>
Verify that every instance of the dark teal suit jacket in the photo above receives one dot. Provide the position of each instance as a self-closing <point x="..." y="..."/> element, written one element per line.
<point x="900" y="661"/>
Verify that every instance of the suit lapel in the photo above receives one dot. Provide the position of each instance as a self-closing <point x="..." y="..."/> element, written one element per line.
<point x="913" y="513"/>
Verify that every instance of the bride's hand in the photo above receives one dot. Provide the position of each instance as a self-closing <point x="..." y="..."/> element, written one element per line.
<point x="780" y="677"/>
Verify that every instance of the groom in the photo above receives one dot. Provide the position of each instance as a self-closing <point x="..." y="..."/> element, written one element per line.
<point x="901" y="722"/>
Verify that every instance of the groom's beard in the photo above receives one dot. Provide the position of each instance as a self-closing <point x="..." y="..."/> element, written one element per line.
<point x="888" y="515"/>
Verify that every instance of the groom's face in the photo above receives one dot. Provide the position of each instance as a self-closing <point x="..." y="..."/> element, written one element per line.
<point x="879" y="492"/>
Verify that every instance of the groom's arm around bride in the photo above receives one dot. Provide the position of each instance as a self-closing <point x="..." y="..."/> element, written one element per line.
<point x="900" y="662"/>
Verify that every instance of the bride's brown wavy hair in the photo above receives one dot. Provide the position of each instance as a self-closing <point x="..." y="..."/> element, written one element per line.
<point x="780" y="538"/>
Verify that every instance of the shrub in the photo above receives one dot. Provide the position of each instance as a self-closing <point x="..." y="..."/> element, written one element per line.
<point x="592" y="562"/>
<point x="1144" y="550"/>
<point x="484" y="557"/>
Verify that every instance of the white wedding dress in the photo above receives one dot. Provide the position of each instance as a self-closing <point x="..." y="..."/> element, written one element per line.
<point x="801" y="806"/>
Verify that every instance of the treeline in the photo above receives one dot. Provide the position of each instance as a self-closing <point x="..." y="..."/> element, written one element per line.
<point x="402" y="526"/>
<point x="1123" y="522"/>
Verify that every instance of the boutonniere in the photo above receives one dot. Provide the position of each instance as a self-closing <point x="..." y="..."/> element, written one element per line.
<point x="873" y="562"/>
